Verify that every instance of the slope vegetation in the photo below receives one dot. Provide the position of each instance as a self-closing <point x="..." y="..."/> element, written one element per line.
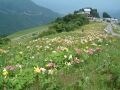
<point x="76" y="60"/>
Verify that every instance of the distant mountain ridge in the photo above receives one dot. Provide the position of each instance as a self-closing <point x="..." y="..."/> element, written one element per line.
<point x="16" y="15"/>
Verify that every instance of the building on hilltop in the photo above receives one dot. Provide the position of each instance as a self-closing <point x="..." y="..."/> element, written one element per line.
<point x="89" y="12"/>
<point x="85" y="11"/>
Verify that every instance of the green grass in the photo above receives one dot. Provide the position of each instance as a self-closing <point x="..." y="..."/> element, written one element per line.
<point x="87" y="60"/>
<point x="29" y="31"/>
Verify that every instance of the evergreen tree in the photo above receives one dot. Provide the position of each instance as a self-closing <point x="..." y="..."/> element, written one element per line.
<point x="94" y="13"/>
<point x="106" y="15"/>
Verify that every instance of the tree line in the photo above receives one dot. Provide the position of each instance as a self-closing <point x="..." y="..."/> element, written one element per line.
<point x="69" y="22"/>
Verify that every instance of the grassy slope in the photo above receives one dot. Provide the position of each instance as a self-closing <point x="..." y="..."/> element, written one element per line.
<point x="28" y="32"/>
<point x="96" y="71"/>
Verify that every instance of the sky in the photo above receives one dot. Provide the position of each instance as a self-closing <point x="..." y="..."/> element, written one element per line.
<point x="67" y="6"/>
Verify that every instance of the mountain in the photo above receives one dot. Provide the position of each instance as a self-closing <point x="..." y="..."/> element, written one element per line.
<point x="16" y="15"/>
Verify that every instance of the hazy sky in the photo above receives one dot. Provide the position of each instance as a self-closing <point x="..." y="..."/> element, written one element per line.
<point x="66" y="6"/>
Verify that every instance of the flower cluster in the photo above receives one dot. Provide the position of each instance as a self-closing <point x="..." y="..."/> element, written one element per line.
<point x="5" y="73"/>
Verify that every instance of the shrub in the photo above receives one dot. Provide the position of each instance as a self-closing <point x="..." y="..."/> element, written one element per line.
<point x="69" y="22"/>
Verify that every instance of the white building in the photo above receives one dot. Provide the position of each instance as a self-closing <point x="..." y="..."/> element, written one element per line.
<point x="87" y="11"/>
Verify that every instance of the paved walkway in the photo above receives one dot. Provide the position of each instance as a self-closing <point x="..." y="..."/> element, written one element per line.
<point x="109" y="30"/>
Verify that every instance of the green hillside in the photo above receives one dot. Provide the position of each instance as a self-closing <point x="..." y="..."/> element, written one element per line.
<point x="67" y="23"/>
<point x="29" y="31"/>
<point x="72" y="53"/>
<point x="16" y="15"/>
<point x="76" y="60"/>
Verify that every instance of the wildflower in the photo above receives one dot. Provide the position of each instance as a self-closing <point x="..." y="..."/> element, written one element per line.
<point x="78" y="51"/>
<point x="37" y="46"/>
<point x="47" y="47"/>
<point x="11" y="68"/>
<point x="90" y="39"/>
<point x="53" y="51"/>
<point x="19" y="66"/>
<point x="43" y="70"/>
<point x="70" y="57"/>
<point x="82" y="42"/>
<point x="68" y="63"/>
<point x="32" y="57"/>
<point x="50" y="72"/>
<point x="94" y="44"/>
<point x="35" y="40"/>
<point x="85" y="50"/>
<point x="90" y="51"/>
<point x="82" y="61"/>
<point x="28" y="47"/>
<point x="107" y="44"/>
<point x="50" y="65"/>
<point x="100" y="40"/>
<point x="21" y="52"/>
<point x="65" y="56"/>
<point x="65" y="49"/>
<point x="5" y="73"/>
<point x="98" y="49"/>
<point x="76" y="60"/>
<point x="46" y="60"/>
<point x="87" y="47"/>
<point x="85" y="40"/>
<point x="50" y="44"/>
<point x="37" y="70"/>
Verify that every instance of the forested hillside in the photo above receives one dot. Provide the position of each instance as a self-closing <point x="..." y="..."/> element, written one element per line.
<point x="16" y="15"/>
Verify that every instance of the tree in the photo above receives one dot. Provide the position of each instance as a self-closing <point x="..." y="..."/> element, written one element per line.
<point x="69" y="22"/>
<point x="106" y="15"/>
<point x="94" y="13"/>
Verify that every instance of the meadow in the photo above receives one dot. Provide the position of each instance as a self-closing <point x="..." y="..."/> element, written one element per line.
<point x="83" y="59"/>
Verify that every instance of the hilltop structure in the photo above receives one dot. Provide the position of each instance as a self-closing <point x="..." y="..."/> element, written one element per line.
<point x="89" y="12"/>
<point x="86" y="11"/>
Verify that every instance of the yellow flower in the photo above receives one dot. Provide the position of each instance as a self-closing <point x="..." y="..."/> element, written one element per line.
<point x="37" y="70"/>
<point x="5" y="72"/>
